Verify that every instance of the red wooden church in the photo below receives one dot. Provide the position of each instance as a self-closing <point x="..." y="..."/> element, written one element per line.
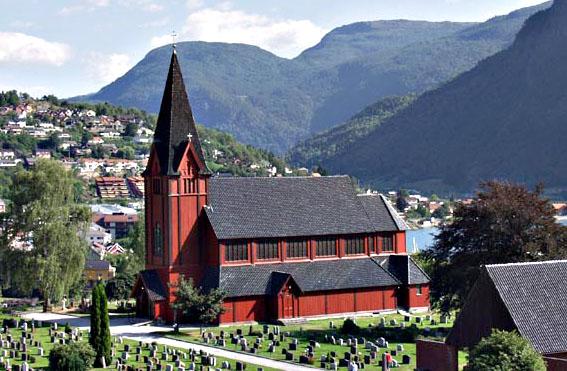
<point x="280" y="247"/>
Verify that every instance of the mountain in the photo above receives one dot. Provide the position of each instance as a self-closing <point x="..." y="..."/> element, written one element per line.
<point x="504" y="119"/>
<point x="273" y="102"/>
<point x="324" y="146"/>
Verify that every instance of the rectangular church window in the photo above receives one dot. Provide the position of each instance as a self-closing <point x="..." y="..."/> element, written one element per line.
<point x="354" y="246"/>
<point x="267" y="249"/>
<point x="326" y="246"/>
<point x="388" y="243"/>
<point x="236" y="251"/>
<point x="297" y="248"/>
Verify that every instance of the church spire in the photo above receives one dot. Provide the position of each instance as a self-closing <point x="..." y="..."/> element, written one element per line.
<point x="175" y="126"/>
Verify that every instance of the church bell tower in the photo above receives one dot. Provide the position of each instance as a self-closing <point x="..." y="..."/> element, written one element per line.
<point x="176" y="184"/>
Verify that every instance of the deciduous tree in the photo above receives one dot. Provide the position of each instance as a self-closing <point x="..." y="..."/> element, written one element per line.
<point x="41" y="247"/>
<point x="195" y="305"/>
<point x="504" y="351"/>
<point x="507" y="223"/>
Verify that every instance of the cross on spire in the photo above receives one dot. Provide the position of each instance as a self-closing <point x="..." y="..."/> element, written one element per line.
<point x="173" y="37"/>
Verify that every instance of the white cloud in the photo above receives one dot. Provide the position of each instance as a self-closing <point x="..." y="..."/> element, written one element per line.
<point x="106" y="68"/>
<point x="284" y="37"/>
<point x="152" y="7"/>
<point x="84" y="5"/>
<point x="21" y="48"/>
<point x="194" y="4"/>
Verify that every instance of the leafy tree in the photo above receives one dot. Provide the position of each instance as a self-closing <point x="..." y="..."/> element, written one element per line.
<point x="85" y="137"/>
<point x="127" y="268"/>
<point x="100" y="325"/>
<point x="195" y="305"/>
<point x="130" y="130"/>
<point x="442" y="212"/>
<point x="401" y="203"/>
<point x="126" y="152"/>
<point x="507" y="223"/>
<point x="44" y="214"/>
<point x="350" y="327"/>
<point x="504" y="351"/>
<point x="52" y="143"/>
<point x="77" y="356"/>
<point x="9" y="98"/>
<point x="403" y="193"/>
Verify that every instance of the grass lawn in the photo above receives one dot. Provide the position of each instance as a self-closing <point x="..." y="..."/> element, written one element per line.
<point x="42" y="335"/>
<point x="318" y="329"/>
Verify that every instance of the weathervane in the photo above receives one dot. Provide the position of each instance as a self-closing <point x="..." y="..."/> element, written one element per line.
<point x="173" y="37"/>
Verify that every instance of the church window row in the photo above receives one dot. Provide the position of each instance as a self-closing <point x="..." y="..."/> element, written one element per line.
<point x="298" y="248"/>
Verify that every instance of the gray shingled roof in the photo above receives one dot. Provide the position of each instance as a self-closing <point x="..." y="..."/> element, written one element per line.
<point x="153" y="285"/>
<point x="292" y="206"/>
<point x="267" y="279"/>
<point x="535" y="295"/>
<point x="97" y="264"/>
<point x="404" y="268"/>
<point x="382" y="215"/>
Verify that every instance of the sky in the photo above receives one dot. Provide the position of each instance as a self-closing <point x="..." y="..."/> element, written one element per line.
<point x="73" y="47"/>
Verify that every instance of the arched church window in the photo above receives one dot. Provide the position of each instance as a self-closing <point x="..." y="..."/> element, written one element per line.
<point x="158" y="241"/>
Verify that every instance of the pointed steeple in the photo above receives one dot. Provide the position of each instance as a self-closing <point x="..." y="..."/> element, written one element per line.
<point x="176" y="125"/>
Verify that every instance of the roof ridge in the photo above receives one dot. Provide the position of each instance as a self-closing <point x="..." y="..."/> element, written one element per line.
<point x="418" y="267"/>
<point x="385" y="270"/>
<point x="556" y="261"/>
<point x="398" y="221"/>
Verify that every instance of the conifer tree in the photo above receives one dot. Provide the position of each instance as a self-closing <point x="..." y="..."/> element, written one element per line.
<point x="100" y="325"/>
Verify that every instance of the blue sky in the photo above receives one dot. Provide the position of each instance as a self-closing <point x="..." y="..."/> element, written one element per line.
<point x="71" y="47"/>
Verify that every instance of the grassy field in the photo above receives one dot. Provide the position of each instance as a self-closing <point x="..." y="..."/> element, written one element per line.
<point x="318" y="330"/>
<point x="41" y="334"/>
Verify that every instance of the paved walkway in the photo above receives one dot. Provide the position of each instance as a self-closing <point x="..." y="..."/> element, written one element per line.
<point x="133" y="328"/>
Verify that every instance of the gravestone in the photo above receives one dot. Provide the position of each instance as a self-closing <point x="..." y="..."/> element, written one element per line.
<point x="406" y="359"/>
<point x="400" y="347"/>
<point x="352" y="366"/>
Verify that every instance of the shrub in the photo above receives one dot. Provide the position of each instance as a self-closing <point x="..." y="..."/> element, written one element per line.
<point x="71" y="357"/>
<point x="349" y="327"/>
<point x="504" y="350"/>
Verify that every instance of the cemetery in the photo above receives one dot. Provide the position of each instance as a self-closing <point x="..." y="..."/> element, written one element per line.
<point x="25" y="346"/>
<point x="332" y="344"/>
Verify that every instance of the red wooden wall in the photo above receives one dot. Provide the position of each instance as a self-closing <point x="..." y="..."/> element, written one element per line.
<point x="419" y="301"/>
<point x="311" y="304"/>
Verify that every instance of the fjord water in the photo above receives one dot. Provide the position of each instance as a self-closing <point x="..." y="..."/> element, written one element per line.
<point x="423" y="239"/>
